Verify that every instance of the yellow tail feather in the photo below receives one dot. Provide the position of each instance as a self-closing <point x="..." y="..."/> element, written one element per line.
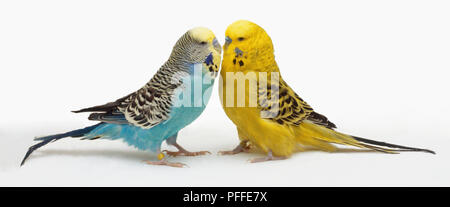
<point x="318" y="136"/>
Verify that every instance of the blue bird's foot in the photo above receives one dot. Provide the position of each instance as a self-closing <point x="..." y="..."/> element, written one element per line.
<point x="181" y="151"/>
<point x="162" y="161"/>
<point x="184" y="152"/>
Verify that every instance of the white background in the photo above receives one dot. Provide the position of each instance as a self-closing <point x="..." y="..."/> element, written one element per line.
<point x="377" y="69"/>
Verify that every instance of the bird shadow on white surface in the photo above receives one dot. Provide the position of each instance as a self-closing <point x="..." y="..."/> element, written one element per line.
<point x="256" y="152"/>
<point x="138" y="156"/>
<point x="105" y="153"/>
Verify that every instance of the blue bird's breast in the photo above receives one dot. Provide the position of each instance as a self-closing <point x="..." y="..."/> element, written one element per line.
<point x="189" y="101"/>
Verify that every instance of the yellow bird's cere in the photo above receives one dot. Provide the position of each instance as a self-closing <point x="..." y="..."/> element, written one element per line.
<point x="267" y="113"/>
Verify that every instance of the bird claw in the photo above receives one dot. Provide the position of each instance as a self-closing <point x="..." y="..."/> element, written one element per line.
<point x="229" y="152"/>
<point x="185" y="153"/>
<point x="269" y="157"/>
<point x="166" y="163"/>
<point x="236" y="150"/>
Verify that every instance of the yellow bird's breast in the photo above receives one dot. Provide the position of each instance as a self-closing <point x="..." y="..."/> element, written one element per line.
<point x="237" y="90"/>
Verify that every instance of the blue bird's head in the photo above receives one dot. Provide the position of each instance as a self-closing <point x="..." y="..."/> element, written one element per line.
<point x="208" y="49"/>
<point x="199" y="46"/>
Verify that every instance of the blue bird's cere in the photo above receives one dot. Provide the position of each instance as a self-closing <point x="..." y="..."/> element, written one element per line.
<point x="175" y="96"/>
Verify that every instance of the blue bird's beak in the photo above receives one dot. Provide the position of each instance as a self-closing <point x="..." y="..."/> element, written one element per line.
<point x="217" y="46"/>
<point x="216" y="43"/>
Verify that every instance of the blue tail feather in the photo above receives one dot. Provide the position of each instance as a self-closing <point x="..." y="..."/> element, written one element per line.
<point x="47" y="139"/>
<point x="74" y="133"/>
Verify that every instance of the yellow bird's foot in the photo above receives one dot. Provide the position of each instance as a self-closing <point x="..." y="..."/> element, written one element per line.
<point x="166" y="163"/>
<point x="242" y="147"/>
<point x="236" y="150"/>
<point x="269" y="157"/>
<point x="185" y="153"/>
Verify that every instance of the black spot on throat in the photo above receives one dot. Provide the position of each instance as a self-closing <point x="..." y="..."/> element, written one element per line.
<point x="241" y="63"/>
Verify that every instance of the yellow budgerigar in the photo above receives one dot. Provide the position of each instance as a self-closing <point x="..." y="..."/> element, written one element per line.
<point x="267" y="113"/>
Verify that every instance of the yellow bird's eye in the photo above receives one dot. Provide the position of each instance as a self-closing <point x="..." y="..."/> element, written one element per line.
<point x="203" y="43"/>
<point x="241" y="39"/>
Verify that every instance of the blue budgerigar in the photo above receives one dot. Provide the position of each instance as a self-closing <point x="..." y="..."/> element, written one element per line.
<point x="175" y="96"/>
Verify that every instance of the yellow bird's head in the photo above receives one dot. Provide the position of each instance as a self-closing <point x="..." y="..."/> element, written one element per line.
<point x="247" y="47"/>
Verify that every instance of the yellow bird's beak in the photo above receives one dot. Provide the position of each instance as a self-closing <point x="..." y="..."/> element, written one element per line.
<point x="228" y="40"/>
